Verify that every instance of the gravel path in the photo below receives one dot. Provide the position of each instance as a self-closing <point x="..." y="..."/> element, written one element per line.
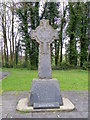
<point x="3" y="74"/>
<point x="78" y="98"/>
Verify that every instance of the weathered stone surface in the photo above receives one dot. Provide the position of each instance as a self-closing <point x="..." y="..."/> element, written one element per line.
<point x="45" y="91"/>
<point x="44" y="32"/>
<point x="44" y="65"/>
<point x="23" y="106"/>
<point x="44" y="35"/>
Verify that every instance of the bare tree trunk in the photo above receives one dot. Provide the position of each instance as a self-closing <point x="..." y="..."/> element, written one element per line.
<point x="4" y="36"/>
<point x="61" y="32"/>
<point x="61" y="43"/>
<point x="56" y="53"/>
<point x="12" y="10"/>
<point x="2" y="54"/>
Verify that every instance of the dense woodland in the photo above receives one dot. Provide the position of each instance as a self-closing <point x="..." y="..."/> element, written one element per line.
<point x="71" y="21"/>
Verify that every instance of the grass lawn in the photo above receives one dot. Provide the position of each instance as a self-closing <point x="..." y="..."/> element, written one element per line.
<point x="21" y="79"/>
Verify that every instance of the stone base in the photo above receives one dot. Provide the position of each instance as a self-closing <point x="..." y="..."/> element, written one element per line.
<point x="23" y="106"/>
<point x="45" y="93"/>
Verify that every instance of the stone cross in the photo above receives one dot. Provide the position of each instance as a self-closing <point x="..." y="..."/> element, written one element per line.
<point x="44" y="35"/>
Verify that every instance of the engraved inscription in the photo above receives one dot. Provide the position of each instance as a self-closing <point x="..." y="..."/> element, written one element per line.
<point x="46" y="105"/>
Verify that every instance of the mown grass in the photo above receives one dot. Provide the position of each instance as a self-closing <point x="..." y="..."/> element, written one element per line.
<point x="21" y="79"/>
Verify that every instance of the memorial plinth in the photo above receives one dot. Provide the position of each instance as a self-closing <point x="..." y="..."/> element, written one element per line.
<point x="45" y="94"/>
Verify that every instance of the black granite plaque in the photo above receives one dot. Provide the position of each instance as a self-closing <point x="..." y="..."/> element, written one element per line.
<point x="46" y="105"/>
<point x="45" y="91"/>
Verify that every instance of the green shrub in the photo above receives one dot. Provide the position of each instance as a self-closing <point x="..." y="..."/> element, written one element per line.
<point x="65" y="66"/>
<point x="86" y="65"/>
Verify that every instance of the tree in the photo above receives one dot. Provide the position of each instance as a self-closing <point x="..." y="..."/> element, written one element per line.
<point x="71" y="33"/>
<point x="29" y="19"/>
<point x="35" y="20"/>
<point x="77" y="31"/>
<point x="83" y="32"/>
<point x="3" y="16"/>
<point x="61" y="32"/>
<point x="8" y="33"/>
